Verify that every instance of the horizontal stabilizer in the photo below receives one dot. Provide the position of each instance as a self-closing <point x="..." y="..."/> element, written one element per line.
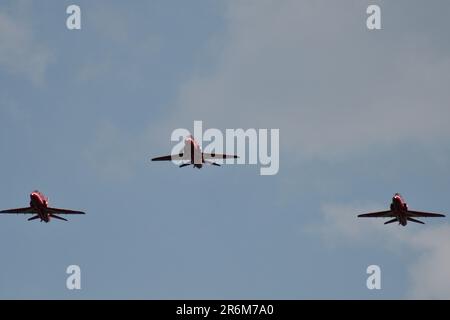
<point x="391" y="221"/>
<point x="212" y="163"/>
<point x="414" y="220"/>
<point x="57" y="217"/>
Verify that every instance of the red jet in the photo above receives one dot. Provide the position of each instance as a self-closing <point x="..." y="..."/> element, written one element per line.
<point x="39" y="207"/>
<point x="194" y="155"/>
<point x="401" y="213"/>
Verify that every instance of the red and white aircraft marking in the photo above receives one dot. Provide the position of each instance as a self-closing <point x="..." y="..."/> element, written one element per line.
<point x="193" y="155"/>
<point x="400" y="212"/>
<point x="39" y="207"/>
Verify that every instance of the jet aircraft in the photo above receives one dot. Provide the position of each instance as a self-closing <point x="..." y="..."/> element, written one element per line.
<point x="40" y="209"/>
<point x="400" y="212"/>
<point x="191" y="154"/>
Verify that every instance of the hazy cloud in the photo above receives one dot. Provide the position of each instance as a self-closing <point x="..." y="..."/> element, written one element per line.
<point x="20" y="53"/>
<point x="119" y="47"/>
<point x="311" y="69"/>
<point x="112" y="153"/>
<point x="116" y="154"/>
<point x="429" y="271"/>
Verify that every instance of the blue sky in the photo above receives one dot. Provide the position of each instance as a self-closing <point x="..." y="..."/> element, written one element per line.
<point x="361" y="115"/>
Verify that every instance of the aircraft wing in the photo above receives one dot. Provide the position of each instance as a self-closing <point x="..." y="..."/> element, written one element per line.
<point x="424" y="214"/>
<point x="380" y="214"/>
<point x="218" y="156"/>
<point x="63" y="211"/>
<point x="27" y="210"/>
<point x="165" y="158"/>
<point x="171" y="157"/>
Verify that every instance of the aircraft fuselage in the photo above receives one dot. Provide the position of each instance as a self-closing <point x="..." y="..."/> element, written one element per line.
<point x="399" y="208"/>
<point x="192" y="149"/>
<point x="40" y="203"/>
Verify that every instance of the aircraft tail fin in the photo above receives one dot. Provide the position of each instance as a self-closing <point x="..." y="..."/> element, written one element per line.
<point x="414" y="220"/>
<point x="33" y="218"/>
<point x="391" y="221"/>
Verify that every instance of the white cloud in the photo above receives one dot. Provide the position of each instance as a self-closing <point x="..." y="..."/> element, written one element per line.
<point x="339" y="223"/>
<point x="430" y="274"/>
<point x="20" y="53"/>
<point x="112" y="153"/>
<point x="112" y="26"/>
<point x="429" y="271"/>
<point x="311" y="69"/>
<point x="116" y="154"/>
